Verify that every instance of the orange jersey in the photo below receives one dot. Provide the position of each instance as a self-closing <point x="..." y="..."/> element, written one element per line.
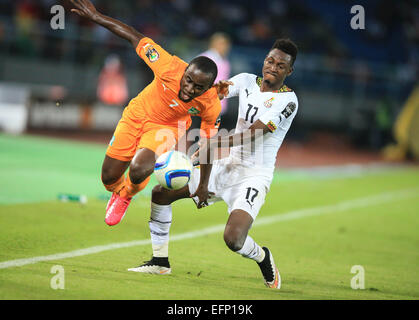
<point x="160" y="101"/>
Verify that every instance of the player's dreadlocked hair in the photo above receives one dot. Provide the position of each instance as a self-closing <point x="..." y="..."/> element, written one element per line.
<point x="206" y="65"/>
<point x="287" y="46"/>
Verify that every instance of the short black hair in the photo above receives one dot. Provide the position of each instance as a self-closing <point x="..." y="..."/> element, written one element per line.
<point x="287" y="46"/>
<point x="206" y="65"/>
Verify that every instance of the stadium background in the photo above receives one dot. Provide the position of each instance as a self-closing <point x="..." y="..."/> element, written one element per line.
<point x="352" y="83"/>
<point x="359" y="111"/>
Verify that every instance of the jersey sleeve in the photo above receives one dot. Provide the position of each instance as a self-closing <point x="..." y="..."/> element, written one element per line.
<point x="239" y="81"/>
<point x="210" y="119"/>
<point x="281" y="114"/>
<point x="158" y="59"/>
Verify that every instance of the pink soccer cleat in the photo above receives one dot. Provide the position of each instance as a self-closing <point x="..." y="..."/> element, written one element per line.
<point x="111" y="200"/>
<point x="116" y="209"/>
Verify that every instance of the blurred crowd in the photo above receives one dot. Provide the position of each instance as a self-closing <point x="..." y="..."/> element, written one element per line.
<point x="317" y="26"/>
<point x="380" y="62"/>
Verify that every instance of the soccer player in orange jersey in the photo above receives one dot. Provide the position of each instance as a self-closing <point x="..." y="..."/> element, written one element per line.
<point x="154" y="121"/>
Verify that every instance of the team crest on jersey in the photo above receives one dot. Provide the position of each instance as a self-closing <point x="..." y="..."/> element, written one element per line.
<point x="271" y="126"/>
<point x="268" y="103"/>
<point x="152" y="54"/>
<point x="193" y="111"/>
<point x="289" y="109"/>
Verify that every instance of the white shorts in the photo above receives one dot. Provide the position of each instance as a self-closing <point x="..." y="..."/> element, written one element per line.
<point x="238" y="186"/>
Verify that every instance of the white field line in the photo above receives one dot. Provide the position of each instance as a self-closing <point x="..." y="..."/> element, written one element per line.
<point x="351" y="170"/>
<point x="292" y="215"/>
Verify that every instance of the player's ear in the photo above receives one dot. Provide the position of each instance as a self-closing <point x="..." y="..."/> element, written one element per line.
<point x="290" y="71"/>
<point x="210" y="82"/>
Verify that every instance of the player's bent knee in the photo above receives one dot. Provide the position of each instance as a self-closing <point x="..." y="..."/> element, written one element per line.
<point x="109" y="177"/>
<point x="112" y="170"/>
<point x="138" y="172"/>
<point x="234" y="238"/>
<point x="236" y="230"/>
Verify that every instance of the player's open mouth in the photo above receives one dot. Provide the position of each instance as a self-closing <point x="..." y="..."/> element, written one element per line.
<point x="185" y="96"/>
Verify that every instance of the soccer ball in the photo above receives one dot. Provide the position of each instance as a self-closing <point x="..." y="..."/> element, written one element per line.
<point x="173" y="170"/>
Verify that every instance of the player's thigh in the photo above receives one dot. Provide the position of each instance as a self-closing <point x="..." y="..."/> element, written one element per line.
<point x="248" y="195"/>
<point x="159" y="138"/>
<point x="123" y="144"/>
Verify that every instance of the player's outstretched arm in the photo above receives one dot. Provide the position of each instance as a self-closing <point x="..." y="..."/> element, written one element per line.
<point x="256" y="129"/>
<point x="85" y="9"/>
<point x="204" y="153"/>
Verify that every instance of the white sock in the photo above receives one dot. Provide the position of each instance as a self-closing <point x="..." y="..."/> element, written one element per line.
<point x="252" y="250"/>
<point x="160" y="222"/>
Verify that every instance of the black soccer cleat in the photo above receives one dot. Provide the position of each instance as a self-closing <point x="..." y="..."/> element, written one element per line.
<point x="157" y="265"/>
<point x="270" y="271"/>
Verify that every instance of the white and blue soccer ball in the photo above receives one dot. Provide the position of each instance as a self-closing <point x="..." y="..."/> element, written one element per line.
<point x="173" y="170"/>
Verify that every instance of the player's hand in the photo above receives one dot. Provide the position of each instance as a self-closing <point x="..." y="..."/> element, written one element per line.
<point x="203" y="195"/>
<point x="222" y="88"/>
<point x="84" y="9"/>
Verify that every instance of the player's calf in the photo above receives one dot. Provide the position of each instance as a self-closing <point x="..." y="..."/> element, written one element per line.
<point x="237" y="228"/>
<point x="237" y="239"/>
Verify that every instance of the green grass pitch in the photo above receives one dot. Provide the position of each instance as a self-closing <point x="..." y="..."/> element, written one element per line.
<point x="321" y="226"/>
